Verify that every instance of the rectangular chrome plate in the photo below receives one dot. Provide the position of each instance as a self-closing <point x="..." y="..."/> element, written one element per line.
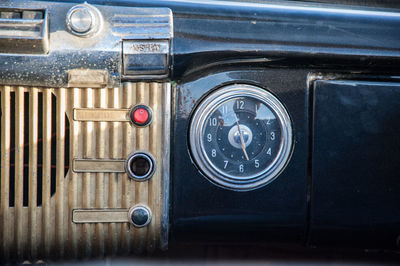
<point x="100" y="216"/>
<point x="101" y="114"/>
<point x="98" y="166"/>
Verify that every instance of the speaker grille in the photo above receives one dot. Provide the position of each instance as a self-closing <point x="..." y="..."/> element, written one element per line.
<point x="21" y="121"/>
<point x="40" y="191"/>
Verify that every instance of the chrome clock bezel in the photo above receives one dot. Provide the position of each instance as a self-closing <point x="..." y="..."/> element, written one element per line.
<point x="215" y="175"/>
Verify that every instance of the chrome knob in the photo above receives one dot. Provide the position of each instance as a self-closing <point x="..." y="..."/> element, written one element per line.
<point x="83" y="20"/>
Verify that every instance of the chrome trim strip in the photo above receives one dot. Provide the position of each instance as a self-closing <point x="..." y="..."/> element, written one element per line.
<point x="98" y="166"/>
<point x="100" y="216"/>
<point x="166" y="167"/>
<point x="101" y="114"/>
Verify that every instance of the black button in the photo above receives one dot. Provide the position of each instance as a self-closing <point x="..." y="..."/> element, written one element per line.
<point x="140" y="166"/>
<point x="140" y="216"/>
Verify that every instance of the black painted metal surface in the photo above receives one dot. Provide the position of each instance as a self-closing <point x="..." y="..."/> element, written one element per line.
<point x="279" y="33"/>
<point x="356" y="164"/>
<point x="204" y="212"/>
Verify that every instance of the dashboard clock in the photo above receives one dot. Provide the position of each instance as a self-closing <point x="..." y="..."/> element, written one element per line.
<point x="241" y="137"/>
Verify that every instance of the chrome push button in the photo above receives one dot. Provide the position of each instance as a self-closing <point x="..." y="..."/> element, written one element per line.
<point x="140" y="166"/>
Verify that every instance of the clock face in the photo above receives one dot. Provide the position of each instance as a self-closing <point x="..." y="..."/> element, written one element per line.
<point x="241" y="137"/>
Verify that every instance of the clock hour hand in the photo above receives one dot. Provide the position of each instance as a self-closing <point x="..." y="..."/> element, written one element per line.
<point x="241" y="139"/>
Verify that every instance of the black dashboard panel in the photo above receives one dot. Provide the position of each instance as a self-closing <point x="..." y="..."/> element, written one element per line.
<point x="279" y="33"/>
<point x="277" y="212"/>
<point x="355" y="166"/>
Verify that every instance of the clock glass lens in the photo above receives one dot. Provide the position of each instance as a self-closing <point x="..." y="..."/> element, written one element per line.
<point x="241" y="137"/>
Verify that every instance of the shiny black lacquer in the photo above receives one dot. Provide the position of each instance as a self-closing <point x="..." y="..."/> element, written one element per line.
<point x="214" y="33"/>
<point x="205" y="212"/>
<point x="356" y="164"/>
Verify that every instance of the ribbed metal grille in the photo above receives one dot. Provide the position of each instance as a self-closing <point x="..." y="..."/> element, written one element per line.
<point x="44" y="228"/>
<point x="25" y="126"/>
<point x="33" y="163"/>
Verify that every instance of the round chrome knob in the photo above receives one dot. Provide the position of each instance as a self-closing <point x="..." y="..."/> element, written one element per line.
<point x="234" y="136"/>
<point x="83" y="20"/>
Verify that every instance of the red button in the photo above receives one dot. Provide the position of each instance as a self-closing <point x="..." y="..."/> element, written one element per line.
<point x="140" y="116"/>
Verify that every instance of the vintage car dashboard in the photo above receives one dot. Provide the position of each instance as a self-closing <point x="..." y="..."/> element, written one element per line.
<point x="130" y="126"/>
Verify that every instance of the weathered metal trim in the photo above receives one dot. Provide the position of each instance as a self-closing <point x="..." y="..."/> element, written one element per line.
<point x="89" y="78"/>
<point x="166" y="166"/>
<point x="144" y="25"/>
<point x="24" y="36"/>
<point x="100" y="216"/>
<point x="101" y="114"/>
<point x="145" y="58"/>
<point x="67" y="56"/>
<point x="98" y="166"/>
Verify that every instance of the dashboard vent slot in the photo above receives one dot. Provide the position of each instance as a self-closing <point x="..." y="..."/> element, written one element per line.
<point x="23" y="31"/>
